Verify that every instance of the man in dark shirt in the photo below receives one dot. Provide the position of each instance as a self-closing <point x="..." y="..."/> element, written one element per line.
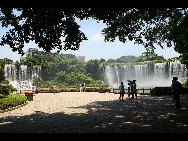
<point x="176" y="90"/>
<point x="134" y="89"/>
<point x="122" y="92"/>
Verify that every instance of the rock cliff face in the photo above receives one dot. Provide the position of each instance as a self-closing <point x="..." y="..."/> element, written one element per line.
<point x="87" y="89"/>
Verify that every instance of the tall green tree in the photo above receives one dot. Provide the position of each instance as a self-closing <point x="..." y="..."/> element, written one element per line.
<point x="146" y="26"/>
<point x="92" y="67"/>
<point x="149" y="56"/>
<point x="126" y="59"/>
<point x="2" y="71"/>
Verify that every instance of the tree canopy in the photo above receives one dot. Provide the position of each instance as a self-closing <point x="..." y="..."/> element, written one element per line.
<point x="166" y="27"/>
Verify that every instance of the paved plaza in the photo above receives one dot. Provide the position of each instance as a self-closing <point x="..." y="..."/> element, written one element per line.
<point x="92" y="112"/>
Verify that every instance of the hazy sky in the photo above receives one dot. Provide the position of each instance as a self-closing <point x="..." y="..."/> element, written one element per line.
<point x="94" y="47"/>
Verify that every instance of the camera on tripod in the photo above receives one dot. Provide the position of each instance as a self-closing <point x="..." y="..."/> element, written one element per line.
<point x="130" y="82"/>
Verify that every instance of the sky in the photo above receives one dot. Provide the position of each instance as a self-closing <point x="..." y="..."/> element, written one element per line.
<point x="94" y="47"/>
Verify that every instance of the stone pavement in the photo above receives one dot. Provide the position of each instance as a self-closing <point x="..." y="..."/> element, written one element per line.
<point x="91" y="112"/>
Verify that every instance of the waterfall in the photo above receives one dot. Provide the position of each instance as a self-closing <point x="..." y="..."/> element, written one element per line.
<point x="20" y="77"/>
<point x="146" y="76"/>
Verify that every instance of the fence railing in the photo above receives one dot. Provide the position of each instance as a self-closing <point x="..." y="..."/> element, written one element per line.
<point x="139" y="91"/>
<point x="22" y="91"/>
<point x="115" y="91"/>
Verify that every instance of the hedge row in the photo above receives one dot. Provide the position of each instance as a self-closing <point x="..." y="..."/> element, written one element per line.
<point x="12" y="100"/>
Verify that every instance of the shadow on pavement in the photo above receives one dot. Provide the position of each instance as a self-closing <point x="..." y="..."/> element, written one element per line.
<point x="147" y="114"/>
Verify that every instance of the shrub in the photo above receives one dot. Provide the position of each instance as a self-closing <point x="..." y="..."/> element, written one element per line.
<point x="6" y="89"/>
<point x="2" y="96"/>
<point x="12" y="101"/>
<point x="183" y="82"/>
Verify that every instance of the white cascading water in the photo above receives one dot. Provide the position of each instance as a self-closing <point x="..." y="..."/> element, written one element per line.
<point x="146" y="76"/>
<point x="19" y="76"/>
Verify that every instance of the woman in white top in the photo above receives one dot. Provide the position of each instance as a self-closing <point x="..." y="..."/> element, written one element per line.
<point x="81" y="87"/>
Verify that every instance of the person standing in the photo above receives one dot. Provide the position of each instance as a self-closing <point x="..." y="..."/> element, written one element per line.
<point x="129" y="92"/>
<point x="122" y="92"/>
<point x="176" y="90"/>
<point x="81" y="87"/>
<point x="134" y="89"/>
<point x="84" y="85"/>
<point x="130" y="89"/>
<point x="33" y="89"/>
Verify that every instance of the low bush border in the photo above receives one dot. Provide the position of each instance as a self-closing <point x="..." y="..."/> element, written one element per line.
<point x="13" y="108"/>
<point x="12" y="100"/>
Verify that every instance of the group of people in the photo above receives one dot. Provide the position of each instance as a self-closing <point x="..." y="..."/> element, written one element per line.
<point x="176" y="89"/>
<point x="131" y="89"/>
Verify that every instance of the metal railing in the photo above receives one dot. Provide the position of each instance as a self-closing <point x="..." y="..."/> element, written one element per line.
<point x="22" y="91"/>
<point x="139" y="91"/>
